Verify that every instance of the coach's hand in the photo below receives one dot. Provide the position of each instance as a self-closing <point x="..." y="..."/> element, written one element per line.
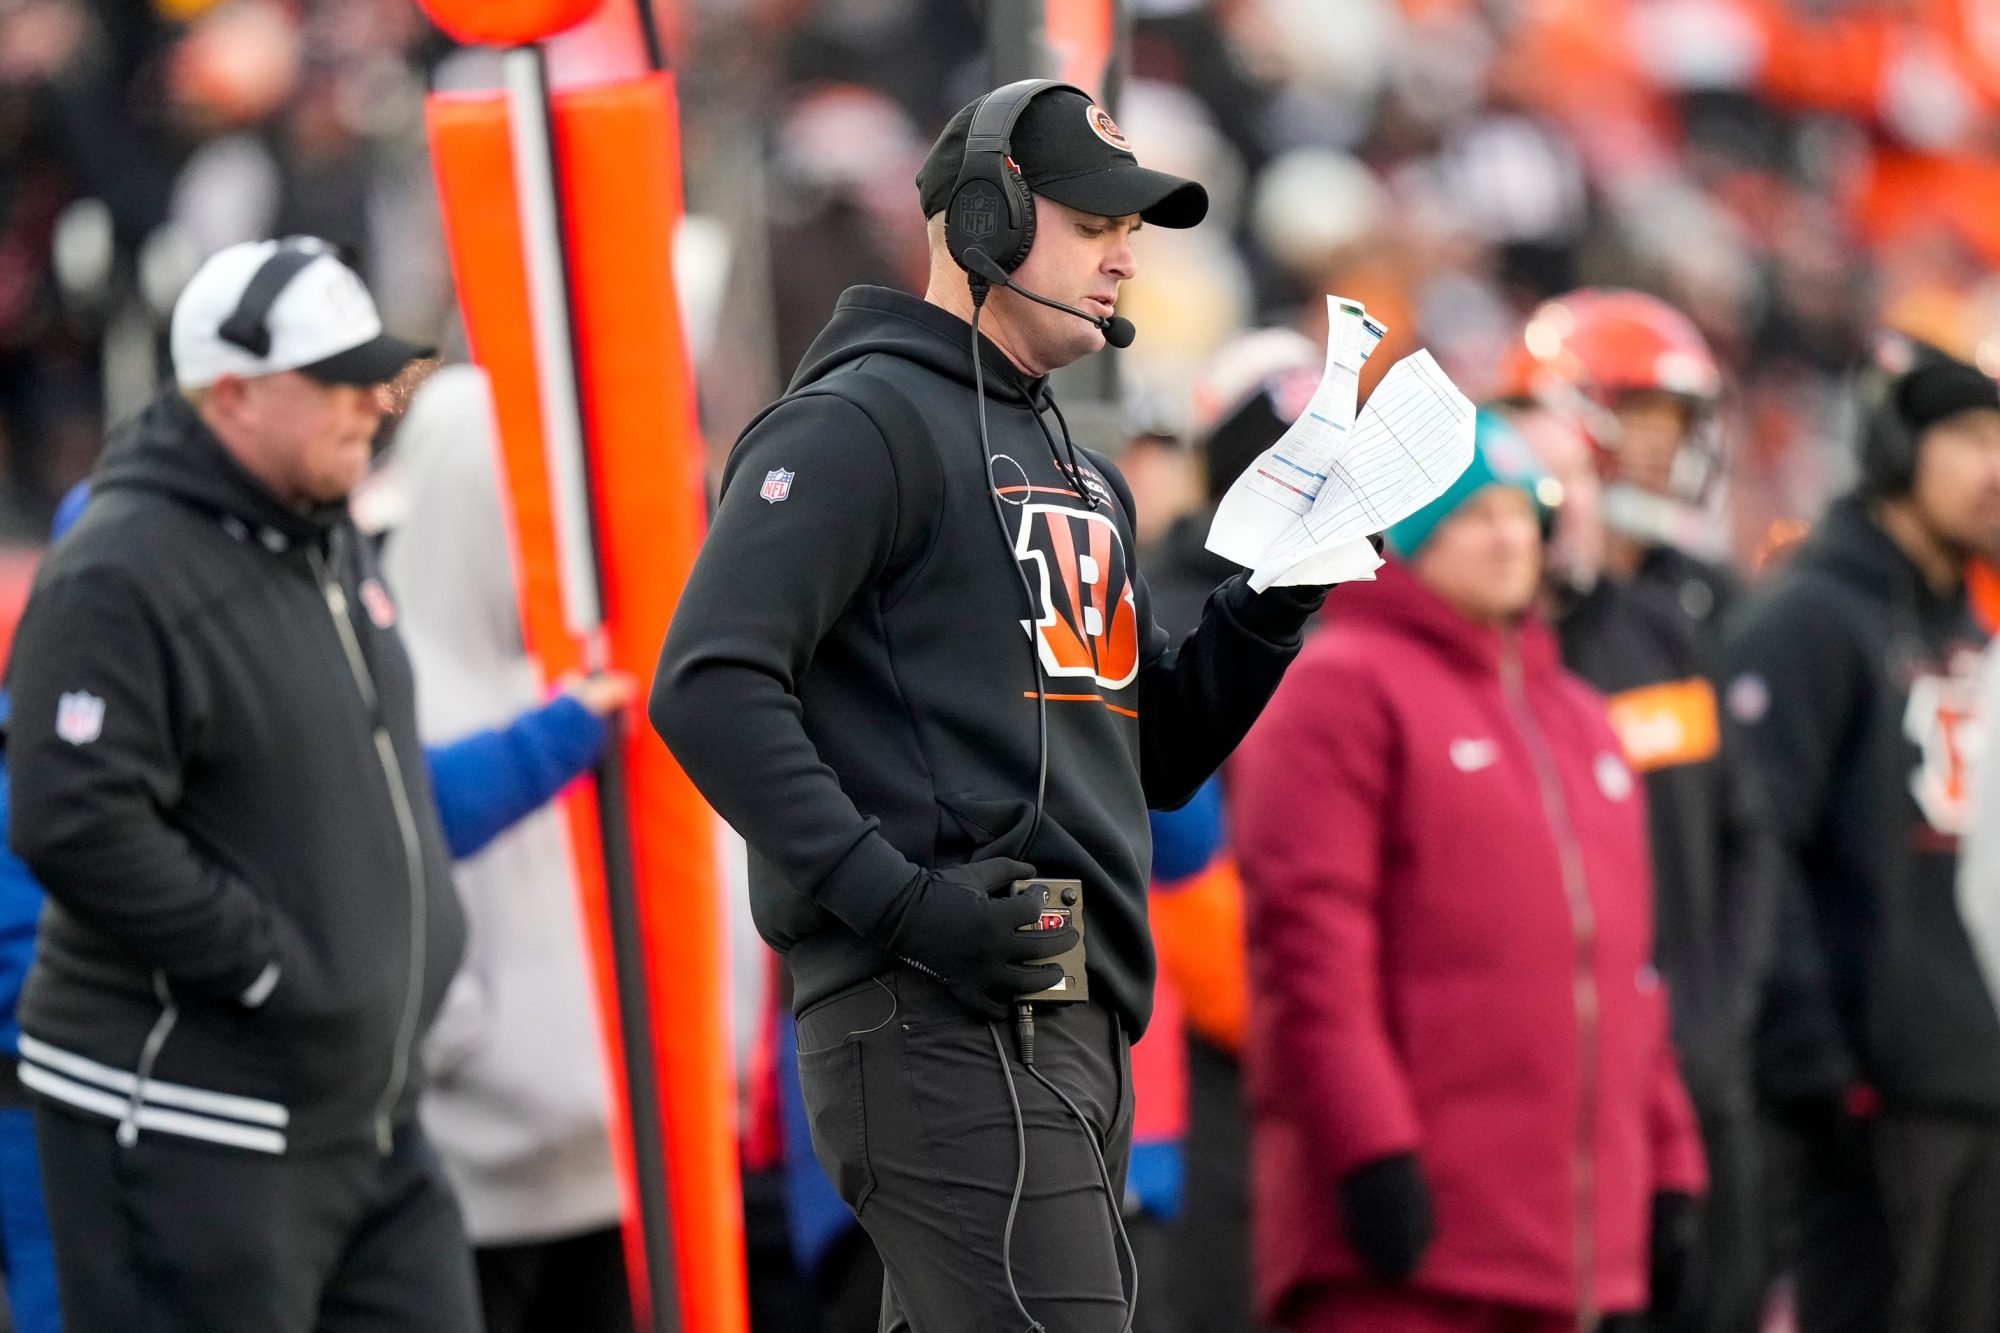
<point x="960" y="927"/>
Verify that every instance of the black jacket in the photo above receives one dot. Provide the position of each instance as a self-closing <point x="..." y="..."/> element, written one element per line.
<point x="1851" y="676"/>
<point x="848" y="680"/>
<point x="1715" y="869"/>
<point x="1700" y="592"/>
<point x="1183" y="572"/>
<point x="217" y="776"/>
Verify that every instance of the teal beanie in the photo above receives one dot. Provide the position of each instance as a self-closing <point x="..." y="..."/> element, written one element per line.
<point x="1501" y="456"/>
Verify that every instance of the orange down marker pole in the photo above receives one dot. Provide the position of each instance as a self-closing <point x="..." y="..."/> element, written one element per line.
<point x="620" y="199"/>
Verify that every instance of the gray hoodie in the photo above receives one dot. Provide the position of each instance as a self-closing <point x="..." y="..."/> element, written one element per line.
<point x="518" y="1098"/>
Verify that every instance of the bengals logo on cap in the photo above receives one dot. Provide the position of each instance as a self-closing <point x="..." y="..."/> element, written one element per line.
<point x="1105" y="128"/>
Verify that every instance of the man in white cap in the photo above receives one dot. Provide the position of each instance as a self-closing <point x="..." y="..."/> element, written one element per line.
<point x="217" y="776"/>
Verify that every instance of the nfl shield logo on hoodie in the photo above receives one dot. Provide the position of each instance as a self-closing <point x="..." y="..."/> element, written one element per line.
<point x="777" y="484"/>
<point x="375" y="597"/>
<point x="79" y="717"/>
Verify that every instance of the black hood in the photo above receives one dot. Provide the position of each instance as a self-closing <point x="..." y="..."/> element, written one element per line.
<point x="871" y="321"/>
<point x="169" y="448"/>
<point x="1849" y="543"/>
<point x="876" y="319"/>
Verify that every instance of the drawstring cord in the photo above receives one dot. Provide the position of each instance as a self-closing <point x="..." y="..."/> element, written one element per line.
<point x="1072" y="470"/>
<point x="128" y="1128"/>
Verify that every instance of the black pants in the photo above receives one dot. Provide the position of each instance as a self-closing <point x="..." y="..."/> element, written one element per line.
<point x="1211" y="1241"/>
<point x="1152" y="1238"/>
<point x="176" y="1236"/>
<point x="911" y="1118"/>
<point x="572" y="1285"/>
<point x="847" y="1290"/>
<point x="1728" y="1274"/>
<point x="1899" y="1229"/>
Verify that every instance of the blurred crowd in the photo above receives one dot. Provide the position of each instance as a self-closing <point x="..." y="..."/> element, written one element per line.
<point x="1785" y="171"/>
<point x="140" y="139"/>
<point x="1790" y="175"/>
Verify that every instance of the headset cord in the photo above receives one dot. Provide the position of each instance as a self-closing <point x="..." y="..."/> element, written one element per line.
<point x="1024" y="1013"/>
<point x="1110" y="1196"/>
<point x="1131" y="1261"/>
<point x="979" y="291"/>
<point x="1020" y="1179"/>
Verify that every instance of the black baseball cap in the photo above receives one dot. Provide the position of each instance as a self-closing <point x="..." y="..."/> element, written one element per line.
<point x="1068" y="149"/>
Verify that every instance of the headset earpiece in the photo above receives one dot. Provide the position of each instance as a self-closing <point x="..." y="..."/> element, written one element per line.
<point x="1888" y="454"/>
<point x="992" y="209"/>
<point x="1024" y="201"/>
<point x="997" y="217"/>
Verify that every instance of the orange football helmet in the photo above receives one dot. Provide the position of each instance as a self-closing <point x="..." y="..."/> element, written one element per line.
<point x="1579" y="354"/>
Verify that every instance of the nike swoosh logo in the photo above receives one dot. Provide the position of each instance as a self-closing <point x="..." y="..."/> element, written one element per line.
<point x="1469" y="756"/>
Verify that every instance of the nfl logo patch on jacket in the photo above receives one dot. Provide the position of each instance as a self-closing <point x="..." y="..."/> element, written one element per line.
<point x="79" y="717"/>
<point x="777" y="484"/>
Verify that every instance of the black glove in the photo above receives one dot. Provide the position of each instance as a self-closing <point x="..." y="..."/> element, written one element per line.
<point x="954" y="928"/>
<point x="1836" y="1131"/>
<point x="1278" y="614"/>
<point x="1676" y="1232"/>
<point x="1386" y="1208"/>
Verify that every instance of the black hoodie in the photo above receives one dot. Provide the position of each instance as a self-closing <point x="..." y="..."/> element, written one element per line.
<point x="216" y="770"/>
<point x="1715" y="873"/>
<point x="847" y="677"/>
<point x="1853" y="680"/>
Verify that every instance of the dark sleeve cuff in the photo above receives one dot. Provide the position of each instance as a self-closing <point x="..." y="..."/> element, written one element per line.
<point x="870" y="880"/>
<point x="1278" y="615"/>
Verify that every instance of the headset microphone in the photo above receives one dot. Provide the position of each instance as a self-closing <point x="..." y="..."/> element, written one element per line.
<point x="1117" y="329"/>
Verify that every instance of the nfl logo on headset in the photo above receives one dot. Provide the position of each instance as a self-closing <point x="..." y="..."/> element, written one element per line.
<point x="777" y="484"/>
<point x="979" y="213"/>
<point x="79" y="717"/>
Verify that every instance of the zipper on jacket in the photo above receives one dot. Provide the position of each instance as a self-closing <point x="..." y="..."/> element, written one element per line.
<point x="1583" y="923"/>
<point x="128" y="1128"/>
<point x="406" y="823"/>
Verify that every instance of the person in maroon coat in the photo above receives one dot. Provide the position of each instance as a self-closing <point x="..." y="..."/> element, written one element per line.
<point x="1467" y="1112"/>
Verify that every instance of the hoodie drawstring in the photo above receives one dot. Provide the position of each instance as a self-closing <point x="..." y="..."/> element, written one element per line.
<point x="128" y="1127"/>
<point x="1073" y="469"/>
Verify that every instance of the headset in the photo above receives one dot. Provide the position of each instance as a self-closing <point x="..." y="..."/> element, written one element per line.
<point x="1888" y="443"/>
<point x="1888" y="447"/>
<point x="249" y="325"/>
<point x="992" y="210"/>
<point x="989" y="224"/>
<point x="989" y="227"/>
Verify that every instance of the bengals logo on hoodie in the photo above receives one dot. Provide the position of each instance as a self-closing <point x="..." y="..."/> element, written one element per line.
<point x="1077" y="567"/>
<point x="1941" y="720"/>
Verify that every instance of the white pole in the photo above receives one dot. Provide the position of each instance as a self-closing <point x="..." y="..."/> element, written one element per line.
<point x="536" y="180"/>
<point x="548" y="305"/>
